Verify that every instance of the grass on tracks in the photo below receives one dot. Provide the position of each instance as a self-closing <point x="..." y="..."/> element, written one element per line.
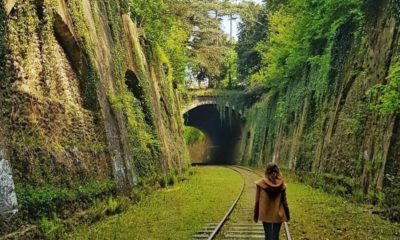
<point x="173" y="213"/>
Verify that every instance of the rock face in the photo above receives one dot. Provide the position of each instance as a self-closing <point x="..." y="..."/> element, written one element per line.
<point x="8" y="199"/>
<point x="83" y="97"/>
<point x="338" y="133"/>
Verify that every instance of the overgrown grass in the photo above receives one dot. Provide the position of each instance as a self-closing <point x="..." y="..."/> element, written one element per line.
<point x="172" y="213"/>
<point x="319" y="215"/>
<point x="316" y="214"/>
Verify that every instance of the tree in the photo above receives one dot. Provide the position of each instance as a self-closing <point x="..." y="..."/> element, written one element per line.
<point x="208" y="43"/>
<point x="252" y="30"/>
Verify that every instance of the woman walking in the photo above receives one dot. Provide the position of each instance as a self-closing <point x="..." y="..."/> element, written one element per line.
<point x="271" y="206"/>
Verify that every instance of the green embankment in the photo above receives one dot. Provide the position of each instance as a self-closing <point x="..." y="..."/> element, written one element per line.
<point x="173" y="213"/>
<point x="316" y="214"/>
<point x="319" y="215"/>
<point x="178" y="212"/>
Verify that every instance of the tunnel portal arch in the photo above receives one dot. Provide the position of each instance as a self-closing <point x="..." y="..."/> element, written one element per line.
<point x="224" y="133"/>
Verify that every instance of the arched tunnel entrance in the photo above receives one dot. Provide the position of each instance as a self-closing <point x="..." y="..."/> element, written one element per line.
<point x="223" y="133"/>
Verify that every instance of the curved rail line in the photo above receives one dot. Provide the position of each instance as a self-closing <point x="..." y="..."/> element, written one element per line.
<point x="225" y="218"/>
<point x="216" y="230"/>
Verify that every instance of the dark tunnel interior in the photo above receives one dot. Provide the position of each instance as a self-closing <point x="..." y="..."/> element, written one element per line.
<point x="223" y="134"/>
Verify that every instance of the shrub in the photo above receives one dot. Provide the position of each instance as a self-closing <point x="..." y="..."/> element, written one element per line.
<point x="358" y="196"/>
<point x="51" y="228"/>
<point x="339" y="190"/>
<point x="112" y="206"/>
<point x="36" y="202"/>
<point x="162" y="181"/>
<point x="391" y="201"/>
<point x="96" y="212"/>
<point x="136" y="195"/>
<point x="393" y="213"/>
<point x="119" y="205"/>
<point x="192" y="171"/>
<point x="172" y="179"/>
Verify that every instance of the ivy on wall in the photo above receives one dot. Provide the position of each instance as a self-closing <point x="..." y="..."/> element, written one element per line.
<point x="388" y="95"/>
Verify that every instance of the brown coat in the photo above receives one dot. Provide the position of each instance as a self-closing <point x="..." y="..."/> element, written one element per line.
<point x="271" y="204"/>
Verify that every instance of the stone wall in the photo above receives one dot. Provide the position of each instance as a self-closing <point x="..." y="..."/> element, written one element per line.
<point x="67" y="108"/>
<point x="8" y="199"/>
<point x="340" y="134"/>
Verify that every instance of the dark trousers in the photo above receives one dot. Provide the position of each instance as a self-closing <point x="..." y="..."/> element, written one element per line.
<point x="272" y="230"/>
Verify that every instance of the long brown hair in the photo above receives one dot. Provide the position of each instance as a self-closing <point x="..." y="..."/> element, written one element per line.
<point x="272" y="171"/>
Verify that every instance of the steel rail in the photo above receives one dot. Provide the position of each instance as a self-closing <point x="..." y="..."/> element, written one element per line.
<point x="225" y="218"/>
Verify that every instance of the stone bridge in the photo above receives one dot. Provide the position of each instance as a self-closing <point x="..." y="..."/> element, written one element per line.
<point x="200" y="98"/>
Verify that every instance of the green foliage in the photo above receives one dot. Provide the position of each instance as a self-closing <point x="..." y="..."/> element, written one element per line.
<point x="172" y="179"/>
<point x="229" y="71"/>
<point x="396" y="9"/>
<point x="302" y="54"/>
<point x="144" y="144"/>
<point x="36" y="202"/>
<point x="392" y="197"/>
<point x="96" y="212"/>
<point x="375" y="197"/>
<point x="165" y="25"/>
<point x="162" y="181"/>
<point x="235" y="99"/>
<point x="339" y="185"/>
<point x="51" y="228"/>
<point x="153" y="16"/>
<point x="193" y="135"/>
<point x="117" y="205"/>
<point x="136" y="195"/>
<point x="55" y="228"/>
<point x="90" y="75"/>
<point x="388" y="95"/>
<point x="208" y="44"/>
<point x="89" y="191"/>
<point x="252" y="30"/>
<point x="296" y="36"/>
<point x="43" y="201"/>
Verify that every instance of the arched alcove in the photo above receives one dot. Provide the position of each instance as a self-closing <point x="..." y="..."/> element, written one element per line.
<point x="78" y="61"/>
<point x="68" y="42"/>
<point x="134" y="86"/>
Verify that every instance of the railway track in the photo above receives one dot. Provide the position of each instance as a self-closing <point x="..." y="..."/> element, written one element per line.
<point x="238" y="221"/>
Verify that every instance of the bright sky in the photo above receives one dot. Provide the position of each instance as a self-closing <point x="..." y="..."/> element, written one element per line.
<point x="226" y="23"/>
